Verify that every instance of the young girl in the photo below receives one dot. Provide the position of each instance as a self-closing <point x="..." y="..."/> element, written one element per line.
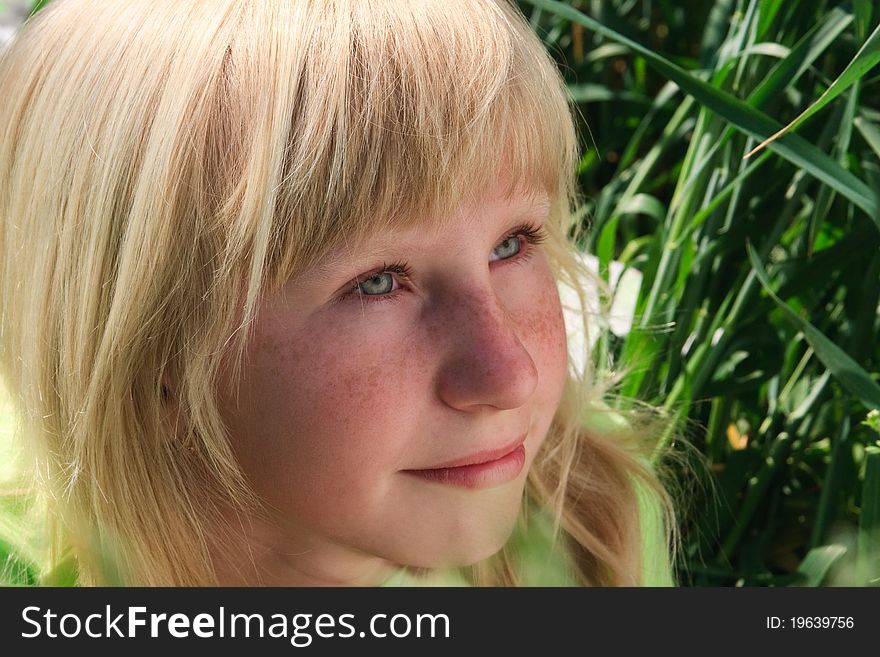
<point x="280" y="300"/>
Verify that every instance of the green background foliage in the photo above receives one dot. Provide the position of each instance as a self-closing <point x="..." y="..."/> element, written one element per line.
<point x="756" y="322"/>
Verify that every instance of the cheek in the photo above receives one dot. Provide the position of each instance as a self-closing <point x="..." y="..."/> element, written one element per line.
<point x="321" y="417"/>
<point x="542" y="332"/>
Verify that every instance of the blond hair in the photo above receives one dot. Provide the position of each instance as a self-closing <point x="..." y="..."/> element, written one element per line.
<point x="164" y="164"/>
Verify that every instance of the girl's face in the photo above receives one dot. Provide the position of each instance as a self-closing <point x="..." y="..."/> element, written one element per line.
<point x="359" y="376"/>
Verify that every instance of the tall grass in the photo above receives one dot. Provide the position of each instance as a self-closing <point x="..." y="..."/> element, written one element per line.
<point x="756" y="323"/>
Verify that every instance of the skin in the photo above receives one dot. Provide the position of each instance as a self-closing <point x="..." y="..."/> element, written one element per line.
<point x="339" y="396"/>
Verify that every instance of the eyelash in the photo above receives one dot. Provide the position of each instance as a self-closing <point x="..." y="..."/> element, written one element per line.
<point x="532" y="234"/>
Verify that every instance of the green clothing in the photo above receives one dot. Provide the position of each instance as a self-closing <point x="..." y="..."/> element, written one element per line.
<point x="655" y="555"/>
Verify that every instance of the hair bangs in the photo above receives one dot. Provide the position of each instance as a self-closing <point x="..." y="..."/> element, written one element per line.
<point x="419" y="106"/>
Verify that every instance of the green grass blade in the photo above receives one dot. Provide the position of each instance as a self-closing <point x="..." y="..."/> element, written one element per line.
<point x="849" y="373"/>
<point x="746" y="118"/>
<point x="868" y="558"/>
<point x="818" y="562"/>
<point x="866" y="58"/>
<point x="863" y="11"/>
<point x="766" y="16"/>
<point x="803" y="55"/>
<point x="756" y="494"/>
<point x="833" y="484"/>
<point x="717" y="24"/>
<point x="870" y="133"/>
<point x="789" y="70"/>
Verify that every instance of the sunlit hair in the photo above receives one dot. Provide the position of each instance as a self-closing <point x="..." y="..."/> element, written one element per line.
<point x="165" y="164"/>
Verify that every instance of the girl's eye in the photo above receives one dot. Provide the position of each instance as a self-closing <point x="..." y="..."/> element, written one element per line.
<point x="510" y="246"/>
<point x="379" y="286"/>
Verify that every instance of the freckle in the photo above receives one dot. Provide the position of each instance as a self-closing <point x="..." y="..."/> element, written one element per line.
<point x="542" y="321"/>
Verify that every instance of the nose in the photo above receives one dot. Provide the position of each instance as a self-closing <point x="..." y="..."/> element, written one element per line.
<point x="486" y="363"/>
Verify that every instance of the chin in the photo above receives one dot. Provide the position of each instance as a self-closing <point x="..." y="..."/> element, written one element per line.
<point x="465" y="545"/>
<point x="481" y="552"/>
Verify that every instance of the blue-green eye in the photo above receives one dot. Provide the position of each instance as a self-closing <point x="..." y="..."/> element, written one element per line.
<point x="378" y="283"/>
<point x="511" y="246"/>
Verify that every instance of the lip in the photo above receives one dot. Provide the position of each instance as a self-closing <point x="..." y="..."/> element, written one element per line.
<point x="484" y="469"/>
